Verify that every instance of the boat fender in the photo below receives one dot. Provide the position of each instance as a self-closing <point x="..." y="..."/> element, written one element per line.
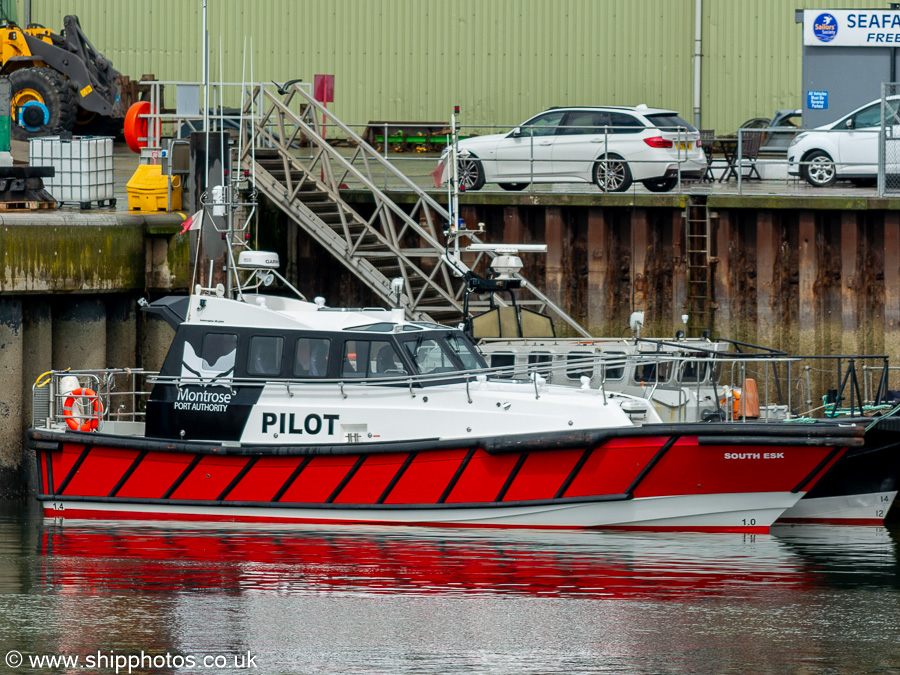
<point x="93" y="420"/>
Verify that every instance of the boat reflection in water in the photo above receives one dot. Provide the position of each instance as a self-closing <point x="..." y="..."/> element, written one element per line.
<point x="109" y="559"/>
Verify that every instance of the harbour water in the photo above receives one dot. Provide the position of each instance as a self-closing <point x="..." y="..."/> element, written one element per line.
<point x="200" y="598"/>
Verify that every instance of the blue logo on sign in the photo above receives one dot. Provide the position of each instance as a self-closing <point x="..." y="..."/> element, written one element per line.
<point x="825" y="27"/>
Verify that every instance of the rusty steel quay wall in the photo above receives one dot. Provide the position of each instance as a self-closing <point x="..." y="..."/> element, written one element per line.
<point x="803" y="274"/>
<point x="69" y="285"/>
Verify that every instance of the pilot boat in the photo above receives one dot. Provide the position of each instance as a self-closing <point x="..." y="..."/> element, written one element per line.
<point x="269" y="408"/>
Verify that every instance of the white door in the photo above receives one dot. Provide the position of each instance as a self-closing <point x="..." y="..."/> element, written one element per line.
<point x="527" y="156"/>
<point x="858" y="145"/>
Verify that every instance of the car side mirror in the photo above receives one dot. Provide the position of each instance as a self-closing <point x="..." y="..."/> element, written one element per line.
<point x="516" y="132"/>
<point x="849" y="123"/>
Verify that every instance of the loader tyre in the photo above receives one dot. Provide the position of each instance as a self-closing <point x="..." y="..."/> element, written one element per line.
<point x="45" y="100"/>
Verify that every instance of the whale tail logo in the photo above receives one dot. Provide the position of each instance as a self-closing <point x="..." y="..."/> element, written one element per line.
<point x="195" y="369"/>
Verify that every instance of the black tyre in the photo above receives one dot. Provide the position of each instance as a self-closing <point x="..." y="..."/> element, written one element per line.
<point x="661" y="184"/>
<point x="46" y="102"/>
<point x="819" y="169"/>
<point x="471" y="173"/>
<point x="611" y="174"/>
<point x="864" y="182"/>
<point x="514" y="187"/>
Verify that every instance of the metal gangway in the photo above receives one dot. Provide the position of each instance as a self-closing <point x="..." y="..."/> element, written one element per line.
<point x="290" y="161"/>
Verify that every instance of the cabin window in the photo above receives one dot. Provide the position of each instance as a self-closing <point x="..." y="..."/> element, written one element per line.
<point x="384" y="360"/>
<point x="356" y="355"/>
<point x="579" y="364"/>
<point x="464" y="352"/>
<point x="614" y="365"/>
<point x="503" y="361"/>
<point x="429" y="357"/>
<point x="694" y="371"/>
<point x="311" y="357"/>
<point x="264" y="357"/>
<point x="647" y="372"/>
<point x="540" y="363"/>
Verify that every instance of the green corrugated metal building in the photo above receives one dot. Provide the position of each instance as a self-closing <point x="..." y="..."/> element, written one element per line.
<point x="500" y="60"/>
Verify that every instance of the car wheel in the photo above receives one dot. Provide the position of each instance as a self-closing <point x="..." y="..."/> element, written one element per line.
<point x="471" y="173"/>
<point x="513" y="187"/>
<point x="611" y="174"/>
<point x="819" y="170"/>
<point x="864" y="182"/>
<point x="661" y="184"/>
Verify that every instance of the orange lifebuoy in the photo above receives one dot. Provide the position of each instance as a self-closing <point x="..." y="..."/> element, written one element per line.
<point x="135" y="127"/>
<point x="92" y="422"/>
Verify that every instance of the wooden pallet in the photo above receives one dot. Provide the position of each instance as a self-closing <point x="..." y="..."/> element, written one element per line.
<point x="27" y="206"/>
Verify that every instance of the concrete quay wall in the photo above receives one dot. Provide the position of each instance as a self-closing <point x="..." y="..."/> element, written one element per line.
<point x="69" y="286"/>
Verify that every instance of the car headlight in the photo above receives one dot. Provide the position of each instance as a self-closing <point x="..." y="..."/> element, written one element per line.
<point x="797" y="139"/>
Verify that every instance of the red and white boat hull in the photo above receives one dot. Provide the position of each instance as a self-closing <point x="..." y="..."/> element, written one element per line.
<point x="623" y="479"/>
<point x="853" y="509"/>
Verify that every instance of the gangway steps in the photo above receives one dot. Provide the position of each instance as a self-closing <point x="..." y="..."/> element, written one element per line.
<point x="292" y="164"/>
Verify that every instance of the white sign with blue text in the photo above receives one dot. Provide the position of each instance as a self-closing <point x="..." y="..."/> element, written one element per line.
<point x="851" y="28"/>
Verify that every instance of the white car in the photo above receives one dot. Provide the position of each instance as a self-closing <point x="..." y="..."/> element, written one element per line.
<point x="611" y="147"/>
<point x="843" y="150"/>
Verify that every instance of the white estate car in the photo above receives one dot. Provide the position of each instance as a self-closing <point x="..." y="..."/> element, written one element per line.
<point x="843" y="150"/>
<point x="611" y="147"/>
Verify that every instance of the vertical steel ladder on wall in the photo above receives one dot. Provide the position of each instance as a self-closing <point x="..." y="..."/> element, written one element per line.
<point x="697" y="238"/>
<point x="292" y="163"/>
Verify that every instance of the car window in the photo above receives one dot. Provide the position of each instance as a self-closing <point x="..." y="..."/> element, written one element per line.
<point x="869" y="117"/>
<point x="581" y="122"/>
<point x="671" y="122"/>
<point x="543" y="125"/>
<point x="622" y="123"/>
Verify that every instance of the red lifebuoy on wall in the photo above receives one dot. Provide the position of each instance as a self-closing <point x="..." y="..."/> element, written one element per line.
<point x="136" y="127"/>
<point x="92" y="422"/>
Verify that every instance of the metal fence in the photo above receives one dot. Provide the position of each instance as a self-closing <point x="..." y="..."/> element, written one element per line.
<point x="889" y="141"/>
<point x="749" y="161"/>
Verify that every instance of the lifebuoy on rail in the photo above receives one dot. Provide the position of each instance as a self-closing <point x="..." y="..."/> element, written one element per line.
<point x="93" y="421"/>
<point x="136" y="127"/>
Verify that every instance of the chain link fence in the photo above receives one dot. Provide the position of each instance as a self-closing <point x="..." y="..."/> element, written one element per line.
<point x="889" y="141"/>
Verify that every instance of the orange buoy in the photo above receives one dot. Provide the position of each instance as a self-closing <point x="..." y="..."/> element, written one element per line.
<point x="92" y="422"/>
<point x="136" y="127"/>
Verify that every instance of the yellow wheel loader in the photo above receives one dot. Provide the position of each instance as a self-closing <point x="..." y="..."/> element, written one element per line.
<point x="59" y="82"/>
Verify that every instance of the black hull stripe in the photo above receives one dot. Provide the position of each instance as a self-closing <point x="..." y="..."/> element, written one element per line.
<point x="346" y="479"/>
<point x="131" y="469"/>
<point x="397" y="476"/>
<point x="50" y="482"/>
<point x="183" y="477"/>
<point x="41" y="460"/>
<point x="457" y="475"/>
<point x="237" y="479"/>
<point x="290" y="480"/>
<point x="511" y="477"/>
<point x="652" y="463"/>
<point x="818" y="468"/>
<point x="585" y="456"/>
<point x="352" y="507"/>
<point x="74" y="469"/>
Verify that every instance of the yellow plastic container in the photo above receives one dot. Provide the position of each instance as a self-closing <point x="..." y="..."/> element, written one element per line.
<point x="148" y="190"/>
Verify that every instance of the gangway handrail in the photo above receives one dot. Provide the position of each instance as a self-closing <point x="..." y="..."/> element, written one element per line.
<point x="369" y="153"/>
